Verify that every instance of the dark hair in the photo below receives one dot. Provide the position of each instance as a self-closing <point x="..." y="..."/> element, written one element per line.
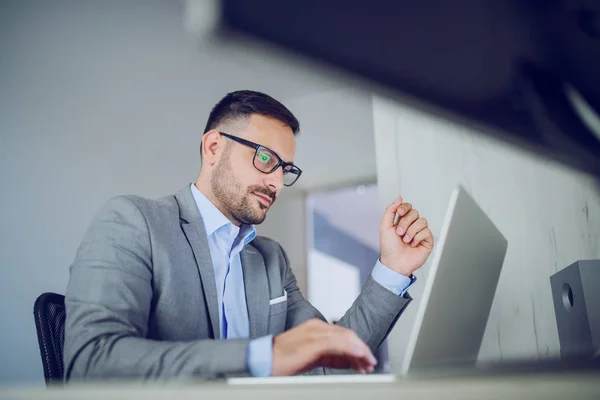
<point x="244" y="103"/>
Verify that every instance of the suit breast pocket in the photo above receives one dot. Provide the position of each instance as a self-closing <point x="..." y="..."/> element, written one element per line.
<point x="277" y="317"/>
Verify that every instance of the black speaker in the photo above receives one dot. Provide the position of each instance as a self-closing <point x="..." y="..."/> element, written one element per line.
<point x="576" y="295"/>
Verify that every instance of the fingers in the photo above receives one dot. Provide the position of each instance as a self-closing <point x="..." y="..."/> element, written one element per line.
<point x="358" y="366"/>
<point x="344" y="343"/>
<point x="404" y="209"/>
<point x="346" y="361"/>
<point x="394" y="212"/>
<point x="363" y="360"/>
<point x="340" y="361"/>
<point x="406" y="221"/>
<point x="316" y="343"/>
<point x="415" y="227"/>
<point x="366" y="365"/>
<point x="337" y="361"/>
<point x="424" y="237"/>
<point x="390" y="213"/>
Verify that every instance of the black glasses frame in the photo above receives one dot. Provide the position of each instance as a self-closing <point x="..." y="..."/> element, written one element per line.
<point x="257" y="148"/>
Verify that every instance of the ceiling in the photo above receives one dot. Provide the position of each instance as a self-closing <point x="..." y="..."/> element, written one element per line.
<point x="500" y="66"/>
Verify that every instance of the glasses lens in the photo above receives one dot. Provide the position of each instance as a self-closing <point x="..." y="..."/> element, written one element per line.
<point x="290" y="175"/>
<point x="265" y="160"/>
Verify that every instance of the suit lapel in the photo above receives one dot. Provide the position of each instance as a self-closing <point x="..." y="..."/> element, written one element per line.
<point x="197" y="238"/>
<point x="193" y="228"/>
<point x="256" y="285"/>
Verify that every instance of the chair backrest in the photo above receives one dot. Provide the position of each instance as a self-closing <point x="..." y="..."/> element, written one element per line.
<point x="49" y="314"/>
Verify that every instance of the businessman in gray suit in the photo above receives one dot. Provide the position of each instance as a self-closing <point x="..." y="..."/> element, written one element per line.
<point x="181" y="287"/>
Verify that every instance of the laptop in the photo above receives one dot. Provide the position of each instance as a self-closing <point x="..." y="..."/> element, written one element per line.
<point x="456" y="301"/>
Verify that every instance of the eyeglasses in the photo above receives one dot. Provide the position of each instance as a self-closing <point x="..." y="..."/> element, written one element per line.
<point x="267" y="161"/>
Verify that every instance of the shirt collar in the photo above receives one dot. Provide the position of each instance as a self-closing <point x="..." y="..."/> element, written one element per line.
<point x="214" y="219"/>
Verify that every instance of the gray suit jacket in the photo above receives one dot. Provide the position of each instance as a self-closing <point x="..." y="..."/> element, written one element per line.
<point x="142" y="302"/>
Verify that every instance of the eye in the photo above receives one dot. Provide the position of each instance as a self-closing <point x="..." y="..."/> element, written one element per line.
<point x="264" y="157"/>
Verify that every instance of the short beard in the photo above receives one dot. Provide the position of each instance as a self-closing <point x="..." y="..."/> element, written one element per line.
<point x="228" y="191"/>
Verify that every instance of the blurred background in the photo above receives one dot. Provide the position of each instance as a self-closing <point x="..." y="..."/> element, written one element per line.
<point x="101" y="98"/>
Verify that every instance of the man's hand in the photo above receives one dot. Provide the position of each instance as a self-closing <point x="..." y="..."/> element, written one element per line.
<point x="315" y="343"/>
<point x="406" y="246"/>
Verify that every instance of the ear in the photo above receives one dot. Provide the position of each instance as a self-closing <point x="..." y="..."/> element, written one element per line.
<point x="211" y="141"/>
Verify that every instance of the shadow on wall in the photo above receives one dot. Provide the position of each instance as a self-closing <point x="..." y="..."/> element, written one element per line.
<point x="329" y="239"/>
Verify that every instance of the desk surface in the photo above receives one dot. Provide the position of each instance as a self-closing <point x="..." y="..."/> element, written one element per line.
<point x="582" y="385"/>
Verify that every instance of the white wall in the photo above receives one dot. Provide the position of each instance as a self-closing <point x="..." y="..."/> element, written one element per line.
<point x="110" y="97"/>
<point x="286" y="223"/>
<point x="334" y="284"/>
<point x="336" y="145"/>
<point x="550" y="216"/>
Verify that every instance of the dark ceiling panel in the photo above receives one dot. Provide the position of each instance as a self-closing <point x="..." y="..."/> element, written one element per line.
<point x="496" y="63"/>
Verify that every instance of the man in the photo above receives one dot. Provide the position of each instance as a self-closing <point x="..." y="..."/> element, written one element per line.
<point x="158" y="285"/>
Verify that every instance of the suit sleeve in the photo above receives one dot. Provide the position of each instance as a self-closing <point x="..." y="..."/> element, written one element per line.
<point x="108" y="302"/>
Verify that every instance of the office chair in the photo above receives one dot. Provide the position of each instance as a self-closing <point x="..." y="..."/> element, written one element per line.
<point x="49" y="314"/>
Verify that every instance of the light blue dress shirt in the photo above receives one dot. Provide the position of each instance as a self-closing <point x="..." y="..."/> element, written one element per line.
<point x="225" y="242"/>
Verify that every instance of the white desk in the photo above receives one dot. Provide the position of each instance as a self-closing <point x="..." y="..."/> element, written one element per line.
<point x="536" y="386"/>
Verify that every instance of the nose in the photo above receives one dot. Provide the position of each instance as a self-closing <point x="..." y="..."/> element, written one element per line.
<point x="275" y="179"/>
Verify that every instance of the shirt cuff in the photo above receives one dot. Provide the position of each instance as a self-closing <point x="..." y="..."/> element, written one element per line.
<point x="392" y="280"/>
<point x="260" y="356"/>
